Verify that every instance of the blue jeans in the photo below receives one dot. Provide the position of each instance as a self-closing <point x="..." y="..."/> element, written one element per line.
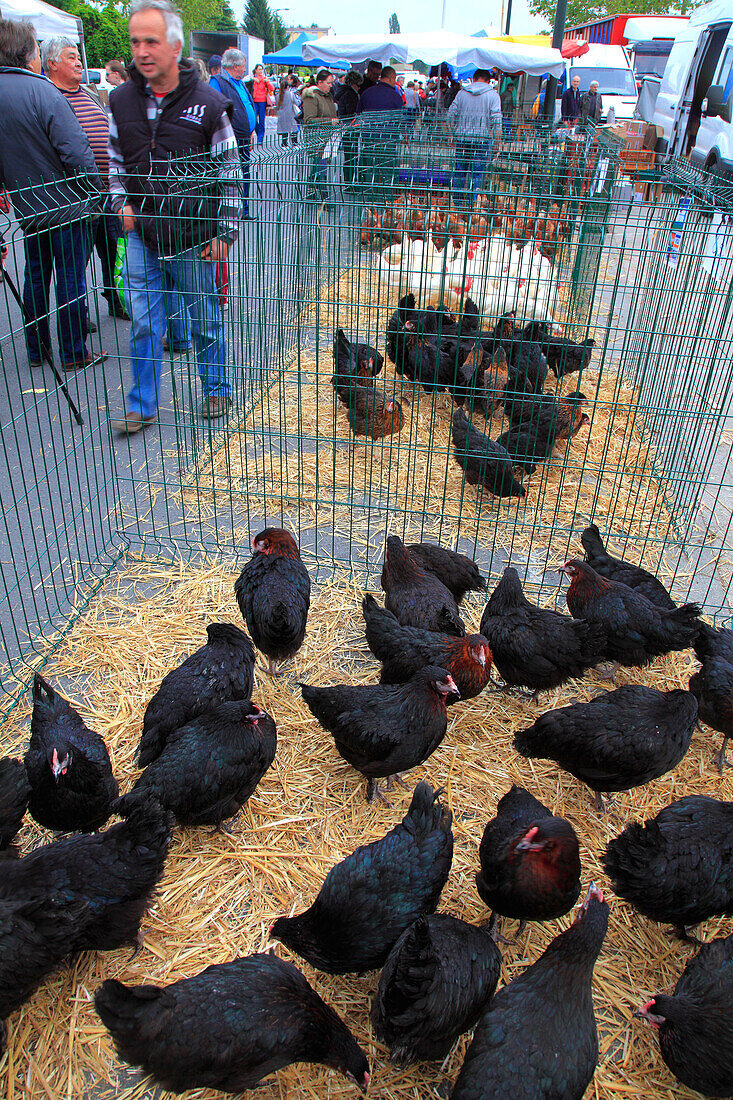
<point x="261" y="109"/>
<point x="471" y="158"/>
<point x="193" y="279"/>
<point x="65" y="249"/>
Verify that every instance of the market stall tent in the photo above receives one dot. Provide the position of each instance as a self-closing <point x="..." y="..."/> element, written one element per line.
<point x="292" y="54"/>
<point x="47" y="21"/>
<point x="433" y="48"/>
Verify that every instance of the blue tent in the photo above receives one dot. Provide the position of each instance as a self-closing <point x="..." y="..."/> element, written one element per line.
<point x="292" y="54"/>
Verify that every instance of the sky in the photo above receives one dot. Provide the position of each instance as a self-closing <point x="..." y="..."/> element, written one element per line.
<point x="462" y="16"/>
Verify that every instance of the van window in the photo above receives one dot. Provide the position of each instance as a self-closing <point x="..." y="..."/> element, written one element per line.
<point x="610" y="81"/>
<point x="725" y="75"/>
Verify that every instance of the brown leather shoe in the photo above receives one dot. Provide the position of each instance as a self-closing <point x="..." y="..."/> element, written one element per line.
<point x="213" y="408"/>
<point x="131" y="423"/>
<point x="79" y="364"/>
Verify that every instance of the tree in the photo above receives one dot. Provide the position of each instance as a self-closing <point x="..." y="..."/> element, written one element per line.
<point x="226" y="21"/>
<point x="258" y="21"/>
<point x="105" y="31"/>
<point x="394" y="23"/>
<point x="279" y="33"/>
<point x="587" y="11"/>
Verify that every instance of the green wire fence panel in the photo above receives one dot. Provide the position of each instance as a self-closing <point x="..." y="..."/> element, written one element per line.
<point x="449" y="257"/>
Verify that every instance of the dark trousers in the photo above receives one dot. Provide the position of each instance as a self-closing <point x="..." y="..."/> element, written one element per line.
<point x="105" y="232"/>
<point x="61" y="252"/>
<point x="468" y="177"/>
<point x="350" y="146"/>
<point x="244" y="153"/>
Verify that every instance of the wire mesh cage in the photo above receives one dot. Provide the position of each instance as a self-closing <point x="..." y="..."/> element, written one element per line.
<point x="629" y="302"/>
<point x="479" y="340"/>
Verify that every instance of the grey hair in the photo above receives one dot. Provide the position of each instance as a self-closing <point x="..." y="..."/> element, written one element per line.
<point x="594" y="83"/>
<point x="232" y="57"/>
<point x="52" y="48"/>
<point x="173" y="20"/>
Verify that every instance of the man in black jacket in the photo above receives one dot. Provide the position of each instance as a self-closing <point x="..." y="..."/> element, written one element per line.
<point x="175" y="178"/>
<point x="570" y="103"/>
<point x="46" y="156"/>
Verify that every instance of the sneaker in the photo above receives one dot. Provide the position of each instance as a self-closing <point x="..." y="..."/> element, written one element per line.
<point x="79" y="364"/>
<point x="214" y="408"/>
<point x="131" y="423"/>
<point x="34" y="364"/>
<point x="177" y="349"/>
<point x="91" y="327"/>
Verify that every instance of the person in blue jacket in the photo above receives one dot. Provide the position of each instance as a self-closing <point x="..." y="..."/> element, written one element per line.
<point x="230" y="82"/>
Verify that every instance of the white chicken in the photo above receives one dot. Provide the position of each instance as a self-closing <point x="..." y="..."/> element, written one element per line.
<point x="498" y="276"/>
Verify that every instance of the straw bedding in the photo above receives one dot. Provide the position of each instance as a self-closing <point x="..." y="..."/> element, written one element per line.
<point x="220" y="893"/>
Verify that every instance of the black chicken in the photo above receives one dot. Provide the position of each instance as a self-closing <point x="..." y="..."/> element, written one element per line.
<point x="695" y="1024"/>
<point x="210" y="767"/>
<point x="619" y="740"/>
<point x="402" y="329"/>
<point x="483" y="462"/>
<point x="530" y="862"/>
<point x="637" y="630"/>
<point x="415" y="596"/>
<point x="14" y="792"/>
<point x="712" y="686"/>
<point x="677" y="868"/>
<point x="404" y="650"/>
<point x="537" y="1040"/>
<point x="84" y="893"/>
<point x="355" y="360"/>
<point x="68" y="766"/>
<point x="370" y="898"/>
<point x="220" y="671"/>
<point x="383" y="730"/>
<point x="434" y="986"/>
<point x="564" y="356"/>
<point x="228" y="1027"/>
<point x="535" y="648"/>
<point x="273" y="592"/>
<point x="527" y="362"/>
<point x="457" y="572"/>
<point x="532" y="440"/>
<point x="616" y="569"/>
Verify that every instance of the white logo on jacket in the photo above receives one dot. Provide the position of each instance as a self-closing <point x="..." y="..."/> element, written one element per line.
<point x="194" y="113"/>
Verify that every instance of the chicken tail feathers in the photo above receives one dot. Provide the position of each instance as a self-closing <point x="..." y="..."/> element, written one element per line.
<point x="399" y="1008"/>
<point x="426" y="812"/>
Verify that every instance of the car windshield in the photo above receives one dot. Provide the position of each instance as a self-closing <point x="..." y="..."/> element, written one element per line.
<point x="610" y="81"/>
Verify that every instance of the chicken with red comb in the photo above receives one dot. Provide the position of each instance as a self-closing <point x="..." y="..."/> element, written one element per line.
<point x="273" y="592"/>
<point x="530" y="862"/>
<point x="383" y="730"/>
<point x="637" y="630"/>
<point x="404" y="650"/>
<point x="695" y="1024"/>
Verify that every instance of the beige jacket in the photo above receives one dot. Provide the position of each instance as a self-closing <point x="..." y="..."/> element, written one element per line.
<point x="317" y="105"/>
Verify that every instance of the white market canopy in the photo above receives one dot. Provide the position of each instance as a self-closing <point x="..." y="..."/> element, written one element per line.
<point x="47" y="21"/>
<point x="432" y="48"/>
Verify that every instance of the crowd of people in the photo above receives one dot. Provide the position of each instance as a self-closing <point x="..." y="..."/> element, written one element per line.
<point x="88" y="176"/>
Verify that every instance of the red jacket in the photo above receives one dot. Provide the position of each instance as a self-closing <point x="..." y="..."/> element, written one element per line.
<point x="261" y="88"/>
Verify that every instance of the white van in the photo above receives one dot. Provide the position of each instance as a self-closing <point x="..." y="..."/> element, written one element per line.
<point x="694" y="107"/>
<point x="612" y="68"/>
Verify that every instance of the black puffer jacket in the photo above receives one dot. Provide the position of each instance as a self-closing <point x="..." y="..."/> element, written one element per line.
<point x="167" y="176"/>
<point x="42" y="150"/>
